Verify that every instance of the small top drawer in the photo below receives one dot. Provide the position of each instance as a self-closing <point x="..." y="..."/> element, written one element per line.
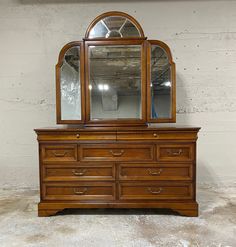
<point x="175" y="152"/>
<point x="59" y="152"/>
<point x="116" y="152"/>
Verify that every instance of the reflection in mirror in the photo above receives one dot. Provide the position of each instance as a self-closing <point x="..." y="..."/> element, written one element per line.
<point x="160" y="83"/>
<point x="114" y="26"/>
<point x="70" y="85"/>
<point x="115" y="81"/>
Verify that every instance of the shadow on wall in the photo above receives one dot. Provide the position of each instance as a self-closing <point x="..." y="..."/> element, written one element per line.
<point x="205" y="175"/>
<point x="30" y="2"/>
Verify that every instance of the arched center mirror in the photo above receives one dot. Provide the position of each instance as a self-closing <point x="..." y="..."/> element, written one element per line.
<point x="115" y="76"/>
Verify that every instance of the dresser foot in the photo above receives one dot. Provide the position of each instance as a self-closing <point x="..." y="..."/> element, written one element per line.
<point x="187" y="212"/>
<point x="48" y="212"/>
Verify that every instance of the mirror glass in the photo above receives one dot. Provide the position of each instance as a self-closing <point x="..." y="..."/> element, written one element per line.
<point x="160" y="83"/>
<point x="70" y="85"/>
<point x="115" y="81"/>
<point x="114" y="26"/>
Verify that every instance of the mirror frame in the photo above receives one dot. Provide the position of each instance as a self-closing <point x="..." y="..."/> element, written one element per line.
<point x="58" y="82"/>
<point x="145" y="76"/>
<point x="165" y="47"/>
<point x="123" y="121"/>
<point x="113" y="13"/>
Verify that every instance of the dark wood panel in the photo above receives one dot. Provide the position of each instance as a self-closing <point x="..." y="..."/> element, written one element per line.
<point x="59" y="152"/>
<point x="80" y="172"/>
<point x="155" y="190"/>
<point x="155" y="172"/>
<point x="79" y="191"/>
<point x="175" y="152"/>
<point x="117" y="152"/>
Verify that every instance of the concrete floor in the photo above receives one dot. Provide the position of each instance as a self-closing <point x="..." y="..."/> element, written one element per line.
<point x="215" y="227"/>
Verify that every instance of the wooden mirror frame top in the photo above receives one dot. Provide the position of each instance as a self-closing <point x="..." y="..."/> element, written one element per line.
<point x="145" y="71"/>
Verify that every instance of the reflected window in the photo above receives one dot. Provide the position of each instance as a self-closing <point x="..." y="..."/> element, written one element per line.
<point x="114" y="26"/>
<point x="70" y="85"/>
<point x="115" y="81"/>
<point x="160" y="84"/>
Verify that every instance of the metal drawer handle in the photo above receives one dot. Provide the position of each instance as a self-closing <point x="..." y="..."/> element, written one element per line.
<point x="175" y="153"/>
<point x="80" y="192"/>
<point x="154" y="173"/>
<point x="155" y="191"/>
<point x="60" y="154"/>
<point x="79" y="173"/>
<point x="155" y="135"/>
<point x="117" y="154"/>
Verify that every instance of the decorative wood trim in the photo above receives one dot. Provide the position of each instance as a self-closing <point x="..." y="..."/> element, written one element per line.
<point x="114" y="13"/>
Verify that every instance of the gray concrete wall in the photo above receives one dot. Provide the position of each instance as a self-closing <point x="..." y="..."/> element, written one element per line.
<point x="201" y="34"/>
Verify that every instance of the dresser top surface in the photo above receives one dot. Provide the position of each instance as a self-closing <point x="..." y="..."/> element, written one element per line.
<point x="152" y="127"/>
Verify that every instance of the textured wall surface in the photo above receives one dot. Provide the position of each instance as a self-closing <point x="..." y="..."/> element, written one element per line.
<point x="201" y="34"/>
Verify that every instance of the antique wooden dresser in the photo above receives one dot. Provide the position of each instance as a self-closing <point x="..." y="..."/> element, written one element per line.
<point x="114" y="89"/>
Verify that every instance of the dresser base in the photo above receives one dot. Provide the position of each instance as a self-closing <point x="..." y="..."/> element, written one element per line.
<point x="183" y="208"/>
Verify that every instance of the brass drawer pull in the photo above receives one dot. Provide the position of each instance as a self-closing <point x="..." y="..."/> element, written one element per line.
<point x="117" y="154"/>
<point x="175" y="153"/>
<point x="80" y="192"/>
<point x="79" y="173"/>
<point x="60" y="154"/>
<point x="155" y="135"/>
<point x="155" y="191"/>
<point x="154" y="173"/>
<point x="77" y="135"/>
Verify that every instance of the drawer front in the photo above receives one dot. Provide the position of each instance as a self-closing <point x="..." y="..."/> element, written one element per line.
<point x="77" y="135"/>
<point x="79" y="191"/>
<point x="59" y="152"/>
<point x="117" y="152"/>
<point x="155" y="135"/>
<point x="143" y="191"/>
<point x="155" y="172"/>
<point x="78" y="173"/>
<point x="175" y="152"/>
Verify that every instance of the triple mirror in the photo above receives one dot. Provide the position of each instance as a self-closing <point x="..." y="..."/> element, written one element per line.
<point x="115" y="76"/>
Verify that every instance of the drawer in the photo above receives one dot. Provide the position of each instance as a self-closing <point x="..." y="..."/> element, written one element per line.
<point x="117" y="152"/>
<point x="77" y="135"/>
<point x="155" y="172"/>
<point x="79" y="191"/>
<point x="59" y="152"/>
<point x="175" y="152"/>
<point x="142" y="191"/>
<point x="153" y="135"/>
<point x="79" y="172"/>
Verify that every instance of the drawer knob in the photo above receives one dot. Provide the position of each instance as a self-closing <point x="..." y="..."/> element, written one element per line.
<point x="154" y="173"/>
<point x="155" y="135"/>
<point x="60" y="154"/>
<point x="77" y="135"/>
<point x="79" y="173"/>
<point x="155" y="191"/>
<point x="117" y="154"/>
<point x="77" y="192"/>
<point x="175" y="153"/>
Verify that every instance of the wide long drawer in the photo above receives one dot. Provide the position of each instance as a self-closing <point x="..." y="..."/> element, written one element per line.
<point x="117" y="152"/>
<point x="79" y="191"/>
<point x="70" y="172"/>
<point x="155" y="190"/>
<point x="155" y="171"/>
